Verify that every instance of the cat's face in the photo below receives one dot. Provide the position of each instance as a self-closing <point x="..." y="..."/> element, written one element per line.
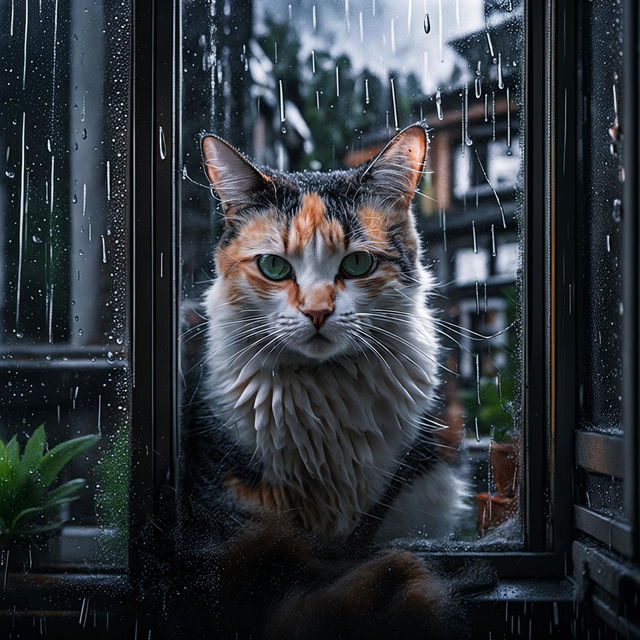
<point x="310" y="260"/>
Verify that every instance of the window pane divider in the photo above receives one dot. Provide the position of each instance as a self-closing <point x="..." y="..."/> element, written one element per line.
<point x="600" y="453"/>
<point x="613" y="533"/>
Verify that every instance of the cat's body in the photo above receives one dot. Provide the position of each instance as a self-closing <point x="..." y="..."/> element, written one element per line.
<point x="324" y="379"/>
<point x="309" y="436"/>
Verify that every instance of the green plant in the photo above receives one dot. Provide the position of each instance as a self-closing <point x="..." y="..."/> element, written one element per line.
<point x="112" y="498"/>
<point x="25" y="497"/>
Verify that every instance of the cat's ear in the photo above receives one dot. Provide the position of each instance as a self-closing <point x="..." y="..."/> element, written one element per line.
<point x="235" y="179"/>
<point x="393" y="175"/>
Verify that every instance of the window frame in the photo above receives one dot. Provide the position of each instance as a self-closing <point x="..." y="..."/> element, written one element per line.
<point x="157" y="208"/>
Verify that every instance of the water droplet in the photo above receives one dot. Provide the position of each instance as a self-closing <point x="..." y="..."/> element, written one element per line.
<point x="427" y="23"/>
<point x="283" y="116"/>
<point x="617" y="210"/>
<point x="439" y="104"/>
<point x="84" y="134"/>
<point x="395" y="107"/>
<point x="10" y="174"/>
<point x="162" y="144"/>
<point x="19" y="335"/>
<point x="490" y="43"/>
<point x="478" y="80"/>
<point x="36" y="239"/>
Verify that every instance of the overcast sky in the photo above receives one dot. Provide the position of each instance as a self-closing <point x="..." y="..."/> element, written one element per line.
<point x="392" y="39"/>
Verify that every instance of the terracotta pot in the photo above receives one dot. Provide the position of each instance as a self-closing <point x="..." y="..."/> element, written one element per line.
<point x="504" y="465"/>
<point x="493" y="510"/>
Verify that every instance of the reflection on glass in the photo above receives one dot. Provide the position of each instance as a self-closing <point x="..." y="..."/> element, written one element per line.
<point x="64" y="337"/>
<point x="325" y="85"/>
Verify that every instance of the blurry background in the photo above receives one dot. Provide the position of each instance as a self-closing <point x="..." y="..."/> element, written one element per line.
<point x="309" y="85"/>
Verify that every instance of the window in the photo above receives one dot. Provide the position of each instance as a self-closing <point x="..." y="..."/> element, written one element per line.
<point x="277" y="71"/>
<point x="527" y="216"/>
<point x="65" y="237"/>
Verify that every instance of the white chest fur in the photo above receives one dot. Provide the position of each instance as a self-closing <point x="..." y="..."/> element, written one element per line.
<point x="331" y="432"/>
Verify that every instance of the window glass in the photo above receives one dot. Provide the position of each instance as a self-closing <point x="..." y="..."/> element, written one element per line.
<point x="599" y="299"/>
<point x="601" y="250"/>
<point x="64" y="233"/>
<point x="322" y="86"/>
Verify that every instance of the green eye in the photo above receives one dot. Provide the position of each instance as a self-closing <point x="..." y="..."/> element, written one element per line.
<point x="274" y="267"/>
<point x="357" y="264"/>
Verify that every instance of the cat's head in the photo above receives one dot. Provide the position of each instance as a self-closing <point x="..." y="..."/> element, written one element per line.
<point x="310" y="260"/>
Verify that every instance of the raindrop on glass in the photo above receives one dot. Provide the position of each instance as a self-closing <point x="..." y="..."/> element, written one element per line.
<point x="439" y="104"/>
<point x="427" y="23"/>
<point x="162" y="144"/>
<point x="617" y="210"/>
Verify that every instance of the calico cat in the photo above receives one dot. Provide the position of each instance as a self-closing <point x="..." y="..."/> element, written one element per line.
<point x="308" y="443"/>
<point x="322" y="351"/>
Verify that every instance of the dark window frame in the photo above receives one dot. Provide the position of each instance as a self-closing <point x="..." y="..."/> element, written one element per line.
<point x="551" y="200"/>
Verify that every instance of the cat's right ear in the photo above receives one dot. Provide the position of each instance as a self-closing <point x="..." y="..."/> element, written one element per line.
<point x="234" y="178"/>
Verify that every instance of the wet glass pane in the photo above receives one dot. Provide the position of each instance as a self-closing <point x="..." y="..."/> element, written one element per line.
<point x="64" y="323"/>
<point x="601" y="251"/>
<point x="311" y="86"/>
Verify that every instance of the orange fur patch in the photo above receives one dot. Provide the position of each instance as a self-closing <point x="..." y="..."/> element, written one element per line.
<point x="375" y="225"/>
<point x="238" y="259"/>
<point x="375" y="284"/>
<point x="271" y="497"/>
<point x="311" y="219"/>
<point x="242" y="248"/>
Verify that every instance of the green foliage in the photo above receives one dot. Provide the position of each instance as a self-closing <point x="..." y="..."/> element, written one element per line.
<point x="498" y="394"/>
<point x="24" y="480"/>
<point x="341" y="120"/>
<point x="494" y="413"/>
<point x="112" y="499"/>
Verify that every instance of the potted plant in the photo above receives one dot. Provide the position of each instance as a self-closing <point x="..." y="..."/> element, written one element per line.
<point x="28" y="504"/>
<point x="494" y="418"/>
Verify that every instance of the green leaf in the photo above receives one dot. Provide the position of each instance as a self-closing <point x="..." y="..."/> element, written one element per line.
<point x="7" y="478"/>
<point x="25" y="513"/>
<point x="12" y="452"/>
<point x="33" y="451"/>
<point x="54" y="503"/>
<point x="65" y="489"/>
<point x="59" y="456"/>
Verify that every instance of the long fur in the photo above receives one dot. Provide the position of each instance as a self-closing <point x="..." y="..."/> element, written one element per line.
<point x="328" y="426"/>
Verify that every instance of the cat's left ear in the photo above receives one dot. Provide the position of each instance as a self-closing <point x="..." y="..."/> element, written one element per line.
<point x="393" y="175"/>
<point x="235" y="179"/>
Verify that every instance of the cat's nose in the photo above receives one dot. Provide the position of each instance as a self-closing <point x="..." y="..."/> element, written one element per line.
<point x="318" y="314"/>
